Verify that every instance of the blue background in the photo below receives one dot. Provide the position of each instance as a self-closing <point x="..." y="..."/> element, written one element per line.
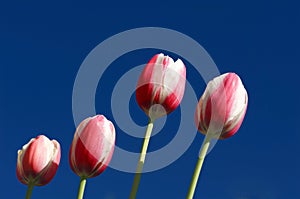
<point x="43" y="45"/>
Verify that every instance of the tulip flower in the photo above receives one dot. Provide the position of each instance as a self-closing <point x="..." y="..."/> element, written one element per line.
<point x="92" y="148"/>
<point x="228" y="97"/>
<point x="219" y="114"/>
<point x="159" y="91"/>
<point x="161" y="86"/>
<point x="38" y="162"/>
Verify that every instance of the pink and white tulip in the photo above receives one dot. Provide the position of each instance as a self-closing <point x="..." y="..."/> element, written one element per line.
<point x="222" y="106"/>
<point x="161" y="86"/>
<point x="92" y="147"/>
<point x="38" y="161"/>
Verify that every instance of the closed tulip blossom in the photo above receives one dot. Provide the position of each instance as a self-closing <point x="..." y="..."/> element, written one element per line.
<point x="219" y="114"/>
<point x="161" y="86"/>
<point x="37" y="162"/>
<point x="92" y="148"/>
<point x="159" y="91"/>
<point x="223" y="104"/>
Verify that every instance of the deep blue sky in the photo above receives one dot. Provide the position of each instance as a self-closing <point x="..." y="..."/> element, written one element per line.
<point x="43" y="45"/>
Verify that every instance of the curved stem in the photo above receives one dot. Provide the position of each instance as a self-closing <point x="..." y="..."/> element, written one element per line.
<point x="199" y="164"/>
<point x="81" y="187"/>
<point x="29" y="190"/>
<point x="141" y="162"/>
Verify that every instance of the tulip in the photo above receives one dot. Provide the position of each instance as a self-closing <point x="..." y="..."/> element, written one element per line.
<point x="92" y="148"/>
<point x="38" y="162"/>
<point x="161" y="86"/>
<point x="219" y="114"/>
<point x="223" y="104"/>
<point x="159" y="91"/>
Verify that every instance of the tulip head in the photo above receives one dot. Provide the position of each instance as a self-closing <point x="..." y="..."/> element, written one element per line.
<point x="38" y="161"/>
<point x="222" y="106"/>
<point x="92" y="147"/>
<point x="161" y="86"/>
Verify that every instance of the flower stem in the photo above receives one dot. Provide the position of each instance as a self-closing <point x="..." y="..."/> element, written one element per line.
<point x="199" y="164"/>
<point x="29" y="190"/>
<point x="81" y="187"/>
<point x="140" y="165"/>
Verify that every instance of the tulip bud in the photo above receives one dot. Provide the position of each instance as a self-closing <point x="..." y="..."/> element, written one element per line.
<point x="223" y="105"/>
<point x="92" y="147"/>
<point x="38" y="161"/>
<point x="161" y="86"/>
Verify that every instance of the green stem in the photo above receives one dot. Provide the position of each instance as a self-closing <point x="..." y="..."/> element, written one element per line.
<point x="81" y="187"/>
<point x="29" y="190"/>
<point x="199" y="164"/>
<point x="141" y="162"/>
